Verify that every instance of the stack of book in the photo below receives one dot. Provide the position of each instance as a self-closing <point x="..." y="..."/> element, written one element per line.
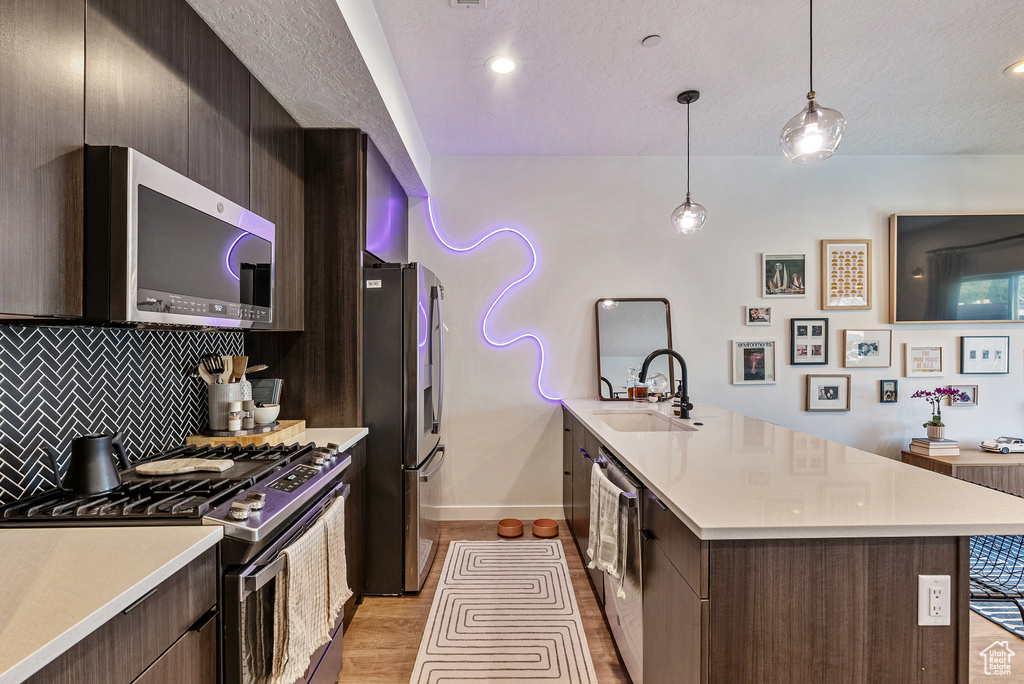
<point x="929" y="447"/>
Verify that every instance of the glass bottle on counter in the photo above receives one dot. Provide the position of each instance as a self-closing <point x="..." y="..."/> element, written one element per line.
<point x="640" y="392"/>
<point x="631" y="384"/>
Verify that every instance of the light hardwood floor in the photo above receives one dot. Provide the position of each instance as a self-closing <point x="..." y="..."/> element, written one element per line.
<point x="380" y="645"/>
<point x="984" y="633"/>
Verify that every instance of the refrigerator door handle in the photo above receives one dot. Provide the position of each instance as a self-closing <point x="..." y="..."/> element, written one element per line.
<point x="435" y="294"/>
<point x="426" y="477"/>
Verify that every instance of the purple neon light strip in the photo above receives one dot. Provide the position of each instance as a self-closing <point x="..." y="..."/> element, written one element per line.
<point x="483" y="326"/>
<point x="227" y="257"/>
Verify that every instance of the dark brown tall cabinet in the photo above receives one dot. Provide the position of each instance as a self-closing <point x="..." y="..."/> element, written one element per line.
<point x="42" y="91"/>
<point x="324" y="364"/>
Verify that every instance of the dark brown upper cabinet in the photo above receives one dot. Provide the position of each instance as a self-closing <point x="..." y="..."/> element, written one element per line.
<point x="136" y="85"/>
<point x="218" y="115"/>
<point x="276" y="190"/>
<point x="42" y="47"/>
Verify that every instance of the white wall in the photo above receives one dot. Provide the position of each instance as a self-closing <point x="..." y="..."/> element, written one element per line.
<point x="601" y="229"/>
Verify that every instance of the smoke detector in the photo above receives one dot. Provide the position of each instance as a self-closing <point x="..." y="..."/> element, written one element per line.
<point x="469" y="4"/>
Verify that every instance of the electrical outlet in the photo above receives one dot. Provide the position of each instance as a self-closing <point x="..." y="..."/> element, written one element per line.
<point x="933" y="600"/>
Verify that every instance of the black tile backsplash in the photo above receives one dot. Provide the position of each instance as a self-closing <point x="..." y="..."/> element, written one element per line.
<point x="57" y="383"/>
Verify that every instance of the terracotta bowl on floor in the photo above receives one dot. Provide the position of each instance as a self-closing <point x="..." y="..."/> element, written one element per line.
<point x="510" y="527"/>
<point x="545" y="527"/>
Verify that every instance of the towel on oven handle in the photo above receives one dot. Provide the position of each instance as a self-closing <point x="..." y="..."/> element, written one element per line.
<point x="607" y="544"/>
<point x="338" y="591"/>
<point x="301" y="605"/>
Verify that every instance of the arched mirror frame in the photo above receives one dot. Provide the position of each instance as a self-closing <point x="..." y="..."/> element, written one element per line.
<point x="603" y="382"/>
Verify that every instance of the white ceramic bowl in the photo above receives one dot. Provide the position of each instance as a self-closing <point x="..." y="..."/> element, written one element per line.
<point x="267" y="413"/>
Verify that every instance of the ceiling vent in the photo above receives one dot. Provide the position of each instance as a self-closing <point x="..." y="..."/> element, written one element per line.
<point x="469" y="4"/>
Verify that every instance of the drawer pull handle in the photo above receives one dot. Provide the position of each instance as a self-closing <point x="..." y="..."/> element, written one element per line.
<point x="140" y="601"/>
<point x="658" y="501"/>
<point x="566" y="472"/>
<point x="646" y="535"/>
<point x="204" y="620"/>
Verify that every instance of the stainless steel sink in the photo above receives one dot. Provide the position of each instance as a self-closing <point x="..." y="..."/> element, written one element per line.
<point x="642" y="421"/>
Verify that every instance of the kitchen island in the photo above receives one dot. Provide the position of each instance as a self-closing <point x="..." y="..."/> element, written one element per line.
<point x="775" y="556"/>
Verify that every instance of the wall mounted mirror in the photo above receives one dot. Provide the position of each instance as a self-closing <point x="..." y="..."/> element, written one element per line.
<point x="627" y="331"/>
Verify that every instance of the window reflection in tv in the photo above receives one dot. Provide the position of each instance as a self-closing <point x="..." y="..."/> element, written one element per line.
<point x="957" y="267"/>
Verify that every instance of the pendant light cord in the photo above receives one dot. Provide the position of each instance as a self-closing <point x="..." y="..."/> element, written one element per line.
<point x="810" y="33"/>
<point x="687" y="150"/>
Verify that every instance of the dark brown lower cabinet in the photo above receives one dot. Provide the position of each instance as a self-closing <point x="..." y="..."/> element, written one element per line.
<point x="192" y="658"/>
<point x="567" y="476"/>
<point x="355" y="529"/>
<point x="675" y="624"/>
<point x="177" y="620"/>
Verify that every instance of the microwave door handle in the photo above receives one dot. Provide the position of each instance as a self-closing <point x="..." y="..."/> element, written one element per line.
<point x="435" y="294"/>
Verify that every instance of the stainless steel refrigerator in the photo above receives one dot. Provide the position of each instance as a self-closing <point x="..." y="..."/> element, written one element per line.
<point x="403" y="398"/>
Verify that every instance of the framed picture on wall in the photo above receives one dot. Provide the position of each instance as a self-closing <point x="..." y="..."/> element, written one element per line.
<point x="759" y="315"/>
<point x="782" y="275"/>
<point x="753" y="362"/>
<point x="984" y="354"/>
<point x="867" y="348"/>
<point x="846" y="274"/>
<point x="808" y="341"/>
<point x="888" y="392"/>
<point x="828" y="392"/>
<point x="925" y="360"/>
<point x="970" y="390"/>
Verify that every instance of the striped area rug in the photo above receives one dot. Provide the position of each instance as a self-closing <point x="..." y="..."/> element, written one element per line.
<point x="504" y="612"/>
<point x="1004" y="613"/>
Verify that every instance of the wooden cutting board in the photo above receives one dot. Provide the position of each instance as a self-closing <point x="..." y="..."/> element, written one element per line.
<point x="288" y="429"/>
<point x="176" y="466"/>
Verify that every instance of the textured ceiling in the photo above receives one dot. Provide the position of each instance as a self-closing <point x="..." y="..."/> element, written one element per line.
<point x="912" y="76"/>
<point x="304" y="53"/>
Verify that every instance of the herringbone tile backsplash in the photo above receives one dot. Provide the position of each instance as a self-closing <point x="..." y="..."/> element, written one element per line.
<point x="58" y="383"/>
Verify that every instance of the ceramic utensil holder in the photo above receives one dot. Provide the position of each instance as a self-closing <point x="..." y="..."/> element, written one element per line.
<point x="218" y="397"/>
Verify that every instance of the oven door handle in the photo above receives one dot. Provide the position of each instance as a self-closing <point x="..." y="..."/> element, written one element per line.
<point x="258" y="576"/>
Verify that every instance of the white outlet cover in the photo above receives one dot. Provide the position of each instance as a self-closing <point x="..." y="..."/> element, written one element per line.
<point x="933" y="609"/>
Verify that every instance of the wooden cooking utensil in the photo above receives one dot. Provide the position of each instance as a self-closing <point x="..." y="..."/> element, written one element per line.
<point x="176" y="466"/>
<point x="257" y="368"/>
<point x="238" y="364"/>
<point x="226" y="374"/>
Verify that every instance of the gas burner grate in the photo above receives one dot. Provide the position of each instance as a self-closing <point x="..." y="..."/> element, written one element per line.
<point x="188" y="496"/>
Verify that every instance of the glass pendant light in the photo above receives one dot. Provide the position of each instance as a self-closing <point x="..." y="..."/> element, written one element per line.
<point x="689" y="216"/>
<point x="814" y="133"/>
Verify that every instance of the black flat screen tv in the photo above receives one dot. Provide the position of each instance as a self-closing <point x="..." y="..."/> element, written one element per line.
<point x="956" y="267"/>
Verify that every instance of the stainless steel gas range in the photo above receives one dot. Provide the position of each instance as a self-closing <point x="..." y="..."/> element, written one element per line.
<point x="265" y="501"/>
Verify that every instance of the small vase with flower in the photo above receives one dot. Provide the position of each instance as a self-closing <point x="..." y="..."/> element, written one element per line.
<point x="936" y="428"/>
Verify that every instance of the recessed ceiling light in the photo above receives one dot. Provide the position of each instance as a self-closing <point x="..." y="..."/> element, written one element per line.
<point x="651" y="40"/>
<point x="502" y="64"/>
<point x="1017" y="68"/>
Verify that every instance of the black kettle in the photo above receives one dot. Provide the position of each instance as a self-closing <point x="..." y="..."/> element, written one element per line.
<point x="91" y="468"/>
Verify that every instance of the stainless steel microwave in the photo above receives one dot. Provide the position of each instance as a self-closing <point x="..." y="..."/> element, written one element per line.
<point x="161" y="249"/>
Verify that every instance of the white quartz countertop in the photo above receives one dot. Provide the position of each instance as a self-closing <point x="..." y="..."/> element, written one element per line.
<point x="343" y="437"/>
<point x="736" y="477"/>
<point x="57" y="585"/>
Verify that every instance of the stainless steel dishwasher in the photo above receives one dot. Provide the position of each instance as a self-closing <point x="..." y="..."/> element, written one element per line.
<point x="625" y="614"/>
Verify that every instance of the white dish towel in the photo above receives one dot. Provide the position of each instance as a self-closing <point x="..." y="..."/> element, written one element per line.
<point x="607" y="544"/>
<point x="338" y="590"/>
<point x="309" y="593"/>
<point x="301" y="605"/>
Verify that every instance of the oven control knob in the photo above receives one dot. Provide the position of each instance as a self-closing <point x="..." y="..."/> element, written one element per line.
<point x="318" y="460"/>
<point x="256" y="500"/>
<point x="334" y="449"/>
<point x="239" y="510"/>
